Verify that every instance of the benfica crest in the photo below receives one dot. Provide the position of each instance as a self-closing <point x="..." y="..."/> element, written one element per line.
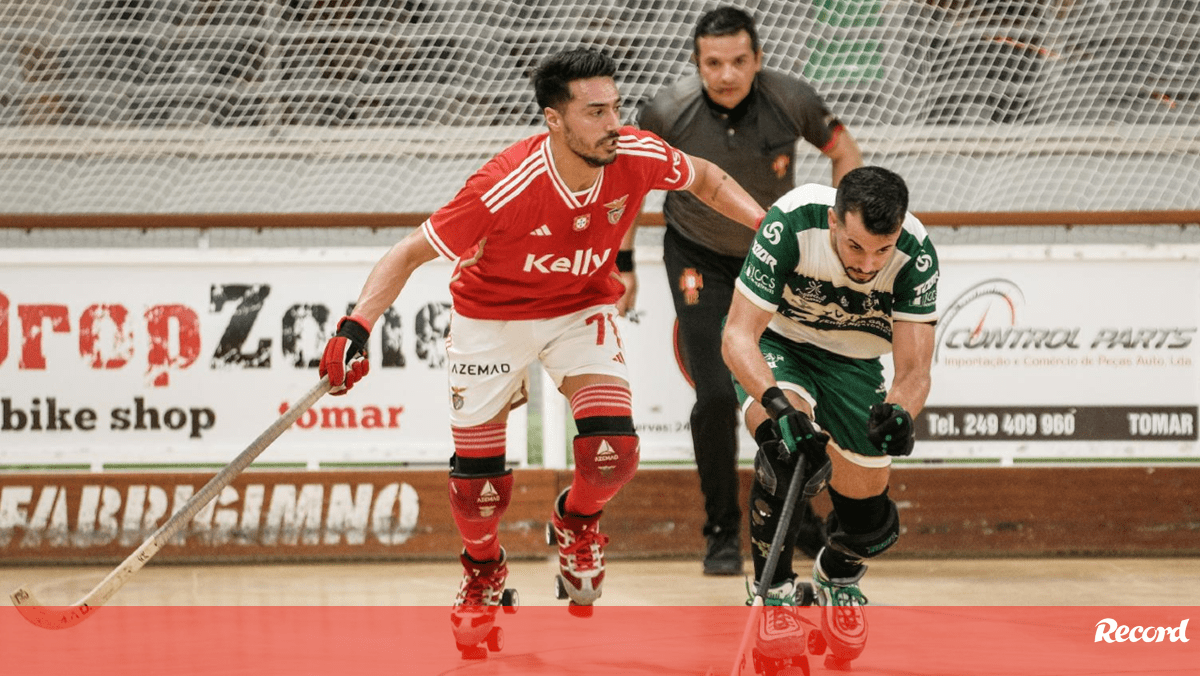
<point x="616" y="209"/>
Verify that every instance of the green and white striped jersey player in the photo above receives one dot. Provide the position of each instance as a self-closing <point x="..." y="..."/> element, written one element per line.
<point x="834" y="279"/>
<point x="795" y="273"/>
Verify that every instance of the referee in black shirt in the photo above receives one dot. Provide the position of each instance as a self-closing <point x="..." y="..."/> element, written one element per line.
<point x="747" y="121"/>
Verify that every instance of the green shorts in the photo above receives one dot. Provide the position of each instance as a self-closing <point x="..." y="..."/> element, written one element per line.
<point x="840" y="389"/>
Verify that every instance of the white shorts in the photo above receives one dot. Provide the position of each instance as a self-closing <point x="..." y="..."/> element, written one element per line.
<point x="488" y="359"/>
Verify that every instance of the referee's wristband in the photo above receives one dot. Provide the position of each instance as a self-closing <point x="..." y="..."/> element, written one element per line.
<point x="625" y="261"/>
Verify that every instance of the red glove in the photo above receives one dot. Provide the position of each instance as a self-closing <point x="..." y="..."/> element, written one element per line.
<point x="345" y="358"/>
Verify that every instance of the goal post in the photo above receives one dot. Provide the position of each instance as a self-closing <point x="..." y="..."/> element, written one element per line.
<point x="363" y="108"/>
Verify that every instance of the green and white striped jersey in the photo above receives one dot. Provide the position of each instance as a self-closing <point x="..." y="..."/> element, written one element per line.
<point x="793" y="271"/>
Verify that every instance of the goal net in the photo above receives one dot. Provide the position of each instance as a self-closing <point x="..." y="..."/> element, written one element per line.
<point x="383" y="106"/>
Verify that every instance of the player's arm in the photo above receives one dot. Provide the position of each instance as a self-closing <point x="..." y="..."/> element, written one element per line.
<point x="344" y="359"/>
<point x="391" y="273"/>
<point x="912" y="356"/>
<point x="625" y="269"/>
<point x="718" y="190"/>
<point x="739" y="345"/>
<point x="843" y="153"/>
<point x="890" y="424"/>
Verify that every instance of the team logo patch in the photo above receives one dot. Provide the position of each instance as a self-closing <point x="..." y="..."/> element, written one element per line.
<point x="487" y="495"/>
<point x="781" y="164"/>
<point x="616" y="209"/>
<point x="581" y="222"/>
<point x="456" y="398"/>
<point x="690" y="283"/>
<point x="606" y="458"/>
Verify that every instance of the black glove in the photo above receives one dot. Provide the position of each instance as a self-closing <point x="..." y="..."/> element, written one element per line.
<point x="890" y="429"/>
<point x="799" y="433"/>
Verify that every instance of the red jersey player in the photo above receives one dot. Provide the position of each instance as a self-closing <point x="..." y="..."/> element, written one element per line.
<point x="535" y="233"/>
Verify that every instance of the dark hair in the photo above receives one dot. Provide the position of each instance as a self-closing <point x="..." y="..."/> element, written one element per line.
<point x="724" y="21"/>
<point x="877" y="195"/>
<point x="553" y="77"/>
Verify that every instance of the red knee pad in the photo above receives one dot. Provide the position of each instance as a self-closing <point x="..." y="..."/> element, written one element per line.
<point x="608" y="460"/>
<point x="480" y="498"/>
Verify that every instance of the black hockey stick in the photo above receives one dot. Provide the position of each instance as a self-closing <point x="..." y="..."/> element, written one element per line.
<point x="59" y="617"/>
<point x="764" y="582"/>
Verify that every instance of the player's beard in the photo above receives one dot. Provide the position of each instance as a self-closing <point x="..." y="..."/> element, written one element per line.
<point x="596" y="156"/>
<point x="852" y="272"/>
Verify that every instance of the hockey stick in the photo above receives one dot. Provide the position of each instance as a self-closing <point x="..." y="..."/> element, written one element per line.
<point x="764" y="582"/>
<point x="58" y="617"/>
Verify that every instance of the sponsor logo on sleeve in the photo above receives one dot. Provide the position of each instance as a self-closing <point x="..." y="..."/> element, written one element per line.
<point x="773" y="231"/>
<point x="761" y="280"/>
<point x="763" y="255"/>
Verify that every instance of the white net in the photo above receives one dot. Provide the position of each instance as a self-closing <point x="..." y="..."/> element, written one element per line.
<point x="336" y="106"/>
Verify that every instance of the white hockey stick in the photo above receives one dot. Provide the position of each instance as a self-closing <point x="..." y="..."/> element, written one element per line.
<point x="764" y="584"/>
<point x="59" y="617"/>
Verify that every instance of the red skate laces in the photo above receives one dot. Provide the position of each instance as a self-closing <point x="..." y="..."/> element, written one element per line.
<point x="482" y="590"/>
<point x="585" y="553"/>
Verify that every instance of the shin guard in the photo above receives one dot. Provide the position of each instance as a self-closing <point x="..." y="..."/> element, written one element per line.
<point x="477" y="503"/>
<point x="766" y="508"/>
<point x="603" y="463"/>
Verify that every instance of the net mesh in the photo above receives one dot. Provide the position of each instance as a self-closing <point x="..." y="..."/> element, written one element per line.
<point x="280" y="106"/>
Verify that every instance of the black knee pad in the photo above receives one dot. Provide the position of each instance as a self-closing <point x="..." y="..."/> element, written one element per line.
<point x="774" y="465"/>
<point x="866" y="545"/>
<point x="770" y="469"/>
